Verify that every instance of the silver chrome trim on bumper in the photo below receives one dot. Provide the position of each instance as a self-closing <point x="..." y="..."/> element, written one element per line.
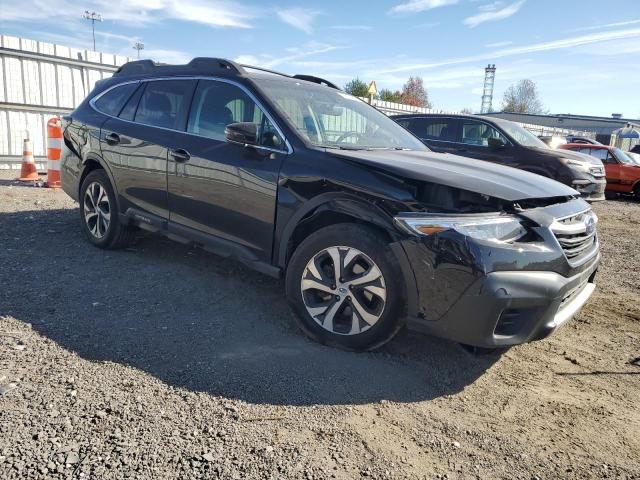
<point x="566" y="312"/>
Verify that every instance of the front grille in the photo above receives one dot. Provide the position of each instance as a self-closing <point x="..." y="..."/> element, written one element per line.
<point x="577" y="235"/>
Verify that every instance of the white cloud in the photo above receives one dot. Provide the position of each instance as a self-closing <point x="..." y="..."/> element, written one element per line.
<point x="414" y="6"/>
<point x="608" y="25"/>
<point x="298" y="17"/>
<point x="166" y="56"/>
<point x="488" y="7"/>
<point x="493" y="13"/>
<point x="215" y="13"/>
<point x="523" y="50"/>
<point x="294" y="54"/>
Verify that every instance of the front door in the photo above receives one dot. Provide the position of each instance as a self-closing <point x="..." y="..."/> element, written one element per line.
<point x="474" y="143"/>
<point x="221" y="188"/>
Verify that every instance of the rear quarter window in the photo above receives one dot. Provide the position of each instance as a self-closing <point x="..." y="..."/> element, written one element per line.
<point x="113" y="100"/>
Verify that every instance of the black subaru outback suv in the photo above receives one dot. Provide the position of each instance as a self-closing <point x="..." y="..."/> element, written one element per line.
<point x="295" y="178"/>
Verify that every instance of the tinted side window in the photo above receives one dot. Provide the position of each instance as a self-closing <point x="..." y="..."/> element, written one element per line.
<point x="111" y="102"/>
<point x="478" y="133"/>
<point x="434" y="128"/>
<point x="217" y="104"/>
<point x="164" y="103"/>
<point x="585" y="150"/>
<point x="129" y="110"/>
<point x="609" y="158"/>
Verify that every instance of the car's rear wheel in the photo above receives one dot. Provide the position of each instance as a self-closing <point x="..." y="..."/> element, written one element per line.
<point x="99" y="214"/>
<point x="343" y="286"/>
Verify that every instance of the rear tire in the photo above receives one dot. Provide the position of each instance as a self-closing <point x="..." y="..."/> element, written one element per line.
<point x="360" y="305"/>
<point x="99" y="213"/>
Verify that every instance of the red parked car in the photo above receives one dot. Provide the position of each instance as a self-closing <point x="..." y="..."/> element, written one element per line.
<point x="623" y="173"/>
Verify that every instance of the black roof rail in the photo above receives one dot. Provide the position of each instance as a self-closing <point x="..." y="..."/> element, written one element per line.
<point x="195" y="66"/>
<point x="321" y="81"/>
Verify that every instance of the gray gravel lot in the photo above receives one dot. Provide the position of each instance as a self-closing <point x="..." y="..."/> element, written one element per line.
<point x="162" y="361"/>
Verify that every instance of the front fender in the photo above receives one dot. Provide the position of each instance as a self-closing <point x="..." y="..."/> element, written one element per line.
<point x="340" y="203"/>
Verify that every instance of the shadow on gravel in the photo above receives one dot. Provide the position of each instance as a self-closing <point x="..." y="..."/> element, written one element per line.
<point x="200" y="322"/>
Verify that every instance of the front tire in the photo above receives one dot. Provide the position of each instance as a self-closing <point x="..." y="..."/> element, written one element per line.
<point x="99" y="213"/>
<point x="344" y="286"/>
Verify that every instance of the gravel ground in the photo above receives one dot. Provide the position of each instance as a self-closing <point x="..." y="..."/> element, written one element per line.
<point x="162" y="361"/>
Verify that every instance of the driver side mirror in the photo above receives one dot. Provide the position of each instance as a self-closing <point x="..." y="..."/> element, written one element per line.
<point x="496" y="143"/>
<point x="243" y="133"/>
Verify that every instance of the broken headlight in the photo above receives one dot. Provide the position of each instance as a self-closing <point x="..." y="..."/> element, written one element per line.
<point x="492" y="228"/>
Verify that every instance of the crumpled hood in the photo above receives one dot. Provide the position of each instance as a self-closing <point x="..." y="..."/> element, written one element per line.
<point x="478" y="176"/>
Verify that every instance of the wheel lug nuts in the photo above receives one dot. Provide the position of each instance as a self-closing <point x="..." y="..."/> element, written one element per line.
<point x="333" y="287"/>
<point x="337" y="297"/>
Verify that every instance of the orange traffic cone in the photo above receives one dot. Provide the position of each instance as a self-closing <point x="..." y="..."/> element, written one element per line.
<point x="28" y="173"/>
<point x="54" y="148"/>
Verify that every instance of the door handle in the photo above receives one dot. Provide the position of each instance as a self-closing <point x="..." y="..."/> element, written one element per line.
<point x="180" y="155"/>
<point x="112" y="139"/>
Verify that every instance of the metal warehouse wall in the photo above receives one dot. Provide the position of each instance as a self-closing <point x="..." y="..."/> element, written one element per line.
<point x="39" y="80"/>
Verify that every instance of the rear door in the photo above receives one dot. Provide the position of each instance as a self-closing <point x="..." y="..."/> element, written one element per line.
<point x="220" y="188"/>
<point x="440" y="134"/>
<point x="136" y="145"/>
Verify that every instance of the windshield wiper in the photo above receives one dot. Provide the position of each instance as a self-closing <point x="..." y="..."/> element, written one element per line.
<point x="342" y="147"/>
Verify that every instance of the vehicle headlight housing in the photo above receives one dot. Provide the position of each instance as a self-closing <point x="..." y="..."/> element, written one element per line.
<point x="578" y="165"/>
<point x="491" y="228"/>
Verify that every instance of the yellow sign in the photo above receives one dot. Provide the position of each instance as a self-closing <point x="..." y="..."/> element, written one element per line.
<point x="373" y="89"/>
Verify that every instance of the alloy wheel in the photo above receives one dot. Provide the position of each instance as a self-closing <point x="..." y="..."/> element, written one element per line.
<point x="343" y="290"/>
<point x="97" y="210"/>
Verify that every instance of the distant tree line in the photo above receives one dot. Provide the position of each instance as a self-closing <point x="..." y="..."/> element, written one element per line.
<point x="521" y="97"/>
<point x="413" y="92"/>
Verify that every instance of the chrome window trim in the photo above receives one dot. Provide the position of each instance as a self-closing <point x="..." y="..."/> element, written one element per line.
<point x="287" y="151"/>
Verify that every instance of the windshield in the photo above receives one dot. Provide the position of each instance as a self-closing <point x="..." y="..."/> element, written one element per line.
<point x="330" y="118"/>
<point x="521" y="135"/>
<point x="635" y="157"/>
<point x="622" y="156"/>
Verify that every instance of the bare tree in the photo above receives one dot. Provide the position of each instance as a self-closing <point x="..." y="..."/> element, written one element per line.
<point x="467" y="111"/>
<point x="414" y="93"/>
<point x="522" y="97"/>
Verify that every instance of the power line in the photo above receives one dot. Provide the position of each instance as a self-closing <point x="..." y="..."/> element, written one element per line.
<point x="94" y="17"/>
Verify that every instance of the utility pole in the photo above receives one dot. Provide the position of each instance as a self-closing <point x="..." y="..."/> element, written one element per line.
<point x="94" y="17"/>
<point x="487" y="91"/>
<point x="138" y="46"/>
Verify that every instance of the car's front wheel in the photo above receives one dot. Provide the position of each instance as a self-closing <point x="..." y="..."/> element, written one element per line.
<point x="99" y="214"/>
<point x="345" y="288"/>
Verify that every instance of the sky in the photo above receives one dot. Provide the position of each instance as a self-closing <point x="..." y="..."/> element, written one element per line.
<point x="584" y="55"/>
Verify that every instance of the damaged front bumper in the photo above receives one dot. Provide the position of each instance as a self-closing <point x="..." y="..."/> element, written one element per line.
<point x="513" y="307"/>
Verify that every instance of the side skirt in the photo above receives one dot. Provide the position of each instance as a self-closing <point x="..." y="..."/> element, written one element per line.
<point x="185" y="235"/>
